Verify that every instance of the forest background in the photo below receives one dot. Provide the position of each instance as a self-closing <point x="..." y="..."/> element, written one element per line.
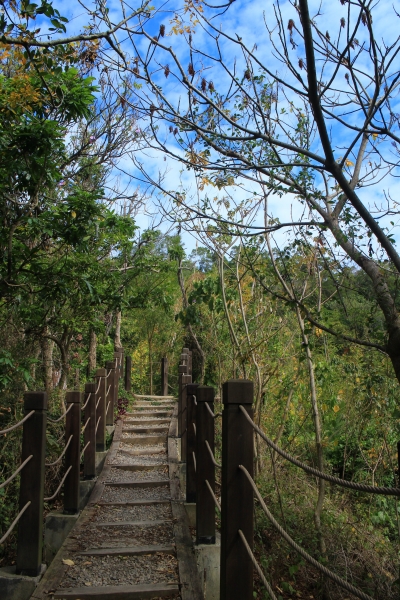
<point x="287" y="181"/>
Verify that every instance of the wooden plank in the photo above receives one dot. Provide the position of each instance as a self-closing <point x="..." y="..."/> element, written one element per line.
<point x="147" y="429"/>
<point x="139" y="484"/>
<point x="119" y="592"/>
<point x="146" y="440"/>
<point x="140" y="467"/>
<point x="130" y="550"/>
<point x="130" y="523"/>
<point x="135" y="502"/>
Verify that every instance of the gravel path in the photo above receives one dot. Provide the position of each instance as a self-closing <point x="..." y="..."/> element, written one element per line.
<point x="152" y="512"/>
<point x="121" y="570"/>
<point x="129" y="570"/>
<point x="125" y="476"/>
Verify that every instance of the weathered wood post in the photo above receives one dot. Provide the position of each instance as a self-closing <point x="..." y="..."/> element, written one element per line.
<point x="118" y="355"/>
<point x="110" y="387"/>
<point x="30" y="526"/>
<point x="186" y="379"/>
<point x="190" y="363"/>
<point x="191" y="443"/>
<point x="89" y="460"/>
<point x="164" y="376"/>
<point x="128" y="373"/>
<point x="205" y="469"/>
<point x="182" y="369"/>
<point x="73" y="453"/>
<point x="236" y="493"/>
<point x="101" y="383"/>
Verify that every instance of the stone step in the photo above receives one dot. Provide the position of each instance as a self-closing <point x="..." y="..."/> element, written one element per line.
<point x="130" y="550"/>
<point x="145" y="440"/>
<point x="142" y="451"/>
<point x="139" y="467"/>
<point x="142" y="502"/>
<point x="139" y="484"/>
<point x="119" y="592"/>
<point x="130" y="523"/>
<point x="148" y="421"/>
<point x="153" y="413"/>
<point x="155" y="428"/>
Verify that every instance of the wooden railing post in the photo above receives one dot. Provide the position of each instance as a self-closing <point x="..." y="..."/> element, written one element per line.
<point x="205" y="469"/>
<point x="89" y="461"/>
<point x="128" y="373"/>
<point x="182" y="371"/>
<point x="236" y="493"/>
<point x="101" y="383"/>
<point x="186" y="379"/>
<point x="191" y="443"/>
<point x="73" y="453"/>
<point x="164" y="376"/>
<point x="111" y="382"/>
<point x="118" y="356"/>
<point x="30" y="526"/>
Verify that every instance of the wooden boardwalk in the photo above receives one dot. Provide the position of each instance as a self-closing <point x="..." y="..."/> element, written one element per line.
<point x="132" y="540"/>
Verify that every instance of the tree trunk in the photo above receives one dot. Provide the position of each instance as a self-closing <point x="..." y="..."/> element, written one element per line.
<point x="117" y="339"/>
<point x="47" y="358"/>
<point x="92" y="352"/>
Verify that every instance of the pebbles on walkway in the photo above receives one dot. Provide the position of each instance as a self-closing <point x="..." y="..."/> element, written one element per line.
<point x="149" y="460"/>
<point x="124" y="536"/>
<point x="137" y="448"/>
<point x="122" y="475"/>
<point x="116" y="494"/>
<point x="151" y="512"/>
<point x="120" y="570"/>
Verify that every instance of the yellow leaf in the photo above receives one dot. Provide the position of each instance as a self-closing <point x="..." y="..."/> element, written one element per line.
<point x="324" y="406"/>
<point x="68" y="561"/>
<point x="336" y="408"/>
<point x="349" y="163"/>
<point x="73" y="214"/>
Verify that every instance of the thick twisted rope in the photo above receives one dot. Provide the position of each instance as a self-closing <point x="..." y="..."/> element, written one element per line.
<point x="361" y="487"/>
<point x="87" y="400"/>
<point x="194" y="461"/>
<point x="212" y="455"/>
<point x="13" y="524"/>
<point x="214" y="415"/>
<point x="194" y="428"/>
<point x="17" y="424"/>
<point x="217" y="504"/>
<point x="21" y="466"/>
<point x="83" y="451"/>
<point x="257" y="566"/>
<point x="62" y="453"/>
<point x="62" y="416"/>
<point x="59" y="487"/>
<point x="97" y="424"/>
<point x="85" y="425"/>
<point x="344" y="584"/>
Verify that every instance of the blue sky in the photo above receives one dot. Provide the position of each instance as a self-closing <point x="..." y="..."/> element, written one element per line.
<point x="247" y="19"/>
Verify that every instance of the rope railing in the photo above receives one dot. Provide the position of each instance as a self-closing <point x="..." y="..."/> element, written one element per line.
<point x="212" y="456"/>
<point x="194" y="428"/>
<point x="98" y="385"/>
<point x="59" y="487"/>
<point x="83" y="451"/>
<point x="214" y="415"/>
<point x="108" y="391"/>
<point x="97" y="403"/>
<point x="194" y="461"/>
<point x="13" y="524"/>
<point x="217" y="504"/>
<point x="61" y="417"/>
<point x="85" y="425"/>
<point x="108" y="406"/>
<point x="97" y="424"/>
<point x="257" y="566"/>
<point x="7" y="481"/>
<point x="341" y="582"/>
<point x="61" y="455"/>
<point x="361" y="487"/>
<point x="17" y="424"/>
<point x="87" y="400"/>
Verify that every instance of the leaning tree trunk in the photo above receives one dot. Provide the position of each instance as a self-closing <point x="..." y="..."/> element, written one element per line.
<point x="92" y="352"/>
<point x="117" y="339"/>
<point x="47" y="358"/>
